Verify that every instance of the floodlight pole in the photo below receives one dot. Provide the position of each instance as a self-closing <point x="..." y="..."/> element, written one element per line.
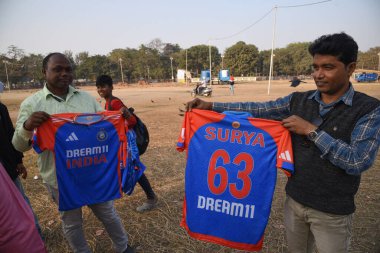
<point x="271" y="56"/>
<point x="186" y="67"/>
<point x="148" y="73"/>
<point x="121" y="70"/>
<point x="222" y="60"/>
<point x="171" y="65"/>
<point x="6" y="73"/>
<point x="378" y="67"/>
<point x="209" y="50"/>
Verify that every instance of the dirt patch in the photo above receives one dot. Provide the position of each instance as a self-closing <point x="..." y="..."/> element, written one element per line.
<point x="159" y="231"/>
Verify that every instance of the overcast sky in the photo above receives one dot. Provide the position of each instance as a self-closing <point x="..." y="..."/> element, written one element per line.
<point x="99" y="26"/>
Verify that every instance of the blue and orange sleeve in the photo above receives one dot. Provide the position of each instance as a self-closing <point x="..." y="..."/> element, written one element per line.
<point x="44" y="137"/>
<point x="182" y="136"/>
<point x="285" y="153"/>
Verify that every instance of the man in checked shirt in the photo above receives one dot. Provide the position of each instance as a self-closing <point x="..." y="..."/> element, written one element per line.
<point x="335" y="137"/>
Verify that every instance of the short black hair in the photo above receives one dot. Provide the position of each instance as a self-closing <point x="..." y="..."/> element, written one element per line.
<point x="340" y="45"/>
<point x="104" y="80"/>
<point x="47" y="58"/>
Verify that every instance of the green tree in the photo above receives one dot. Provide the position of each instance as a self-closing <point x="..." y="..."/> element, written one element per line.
<point x="294" y="60"/>
<point x="69" y="54"/>
<point x="241" y="59"/>
<point x="32" y="68"/>
<point x="93" y="66"/>
<point x="14" y="53"/>
<point x="264" y="63"/>
<point x="301" y="59"/>
<point x="148" y="64"/>
<point x="170" y="49"/>
<point x="369" y="59"/>
<point x="81" y="57"/>
<point x="198" y="59"/>
<point x="156" y="44"/>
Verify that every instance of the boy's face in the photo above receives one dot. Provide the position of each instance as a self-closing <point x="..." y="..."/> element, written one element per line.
<point x="105" y="91"/>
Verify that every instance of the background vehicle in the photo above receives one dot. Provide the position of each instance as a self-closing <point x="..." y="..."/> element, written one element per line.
<point x="202" y="89"/>
<point x="224" y="76"/>
<point x="205" y="76"/>
<point x="366" y="77"/>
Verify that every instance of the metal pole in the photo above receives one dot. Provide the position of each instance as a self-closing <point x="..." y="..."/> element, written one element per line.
<point x="148" y="74"/>
<point x="171" y="65"/>
<point x="378" y="67"/>
<point x="6" y="73"/>
<point x="271" y="56"/>
<point x="121" y="70"/>
<point x="186" y="68"/>
<point x="222" y="60"/>
<point x="209" y="50"/>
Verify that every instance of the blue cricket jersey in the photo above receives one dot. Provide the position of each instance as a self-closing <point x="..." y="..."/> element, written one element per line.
<point x="88" y="149"/>
<point x="230" y="176"/>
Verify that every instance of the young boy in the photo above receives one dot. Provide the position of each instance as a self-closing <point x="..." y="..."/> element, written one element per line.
<point x="104" y="85"/>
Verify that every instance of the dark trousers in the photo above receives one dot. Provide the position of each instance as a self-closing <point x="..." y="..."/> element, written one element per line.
<point x="145" y="185"/>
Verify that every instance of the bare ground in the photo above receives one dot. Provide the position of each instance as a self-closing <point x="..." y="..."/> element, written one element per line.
<point x="158" y="230"/>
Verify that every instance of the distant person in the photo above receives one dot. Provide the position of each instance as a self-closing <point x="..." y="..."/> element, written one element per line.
<point x="232" y="83"/>
<point x="295" y="81"/>
<point x="58" y="96"/>
<point x="201" y="86"/>
<point x="1" y="87"/>
<point x="18" y="232"/>
<point x="104" y="85"/>
<point x="335" y="138"/>
<point x="11" y="158"/>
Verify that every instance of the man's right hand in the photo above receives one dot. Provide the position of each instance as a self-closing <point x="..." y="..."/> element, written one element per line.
<point x="198" y="104"/>
<point x="35" y="120"/>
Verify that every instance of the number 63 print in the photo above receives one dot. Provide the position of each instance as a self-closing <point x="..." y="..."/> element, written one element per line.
<point x="220" y="171"/>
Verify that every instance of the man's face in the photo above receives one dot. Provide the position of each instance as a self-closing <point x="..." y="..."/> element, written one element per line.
<point x="331" y="76"/>
<point x="104" y="91"/>
<point x="58" y="73"/>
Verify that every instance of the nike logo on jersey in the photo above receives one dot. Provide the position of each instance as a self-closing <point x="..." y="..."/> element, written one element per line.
<point x="72" y="137"/>
<point x="285" y="156"/>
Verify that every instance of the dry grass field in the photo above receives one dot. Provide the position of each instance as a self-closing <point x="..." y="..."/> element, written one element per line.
<point x="158" y="230"/>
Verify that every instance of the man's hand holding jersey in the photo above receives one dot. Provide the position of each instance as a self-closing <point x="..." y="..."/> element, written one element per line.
<point x="35" y="120"/>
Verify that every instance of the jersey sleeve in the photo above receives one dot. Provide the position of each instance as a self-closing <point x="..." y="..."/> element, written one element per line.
<point x="44" y="137"/>
<point x="181" y="143"/>
<point x="285" y="159"/>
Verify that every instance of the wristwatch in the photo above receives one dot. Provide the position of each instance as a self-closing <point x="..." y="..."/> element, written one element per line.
<point x="312" y="135"/>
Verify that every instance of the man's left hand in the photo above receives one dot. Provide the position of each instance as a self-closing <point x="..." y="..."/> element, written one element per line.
<point x="298" y="125"/>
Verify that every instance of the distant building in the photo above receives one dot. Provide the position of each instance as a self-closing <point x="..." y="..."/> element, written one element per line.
<point x="182" y="75"/>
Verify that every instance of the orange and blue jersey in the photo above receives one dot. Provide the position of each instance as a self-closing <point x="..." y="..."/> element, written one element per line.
<point x="88" y="150"/>
<point x="230" y="177"/>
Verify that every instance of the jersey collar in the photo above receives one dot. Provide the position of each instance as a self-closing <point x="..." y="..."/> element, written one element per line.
<point x="48" y="93"/>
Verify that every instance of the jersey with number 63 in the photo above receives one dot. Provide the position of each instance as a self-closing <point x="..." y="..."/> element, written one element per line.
<point x="231" y="175"/>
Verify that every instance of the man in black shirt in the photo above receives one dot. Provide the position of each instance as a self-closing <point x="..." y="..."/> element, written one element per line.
<point x="10" y="158"/>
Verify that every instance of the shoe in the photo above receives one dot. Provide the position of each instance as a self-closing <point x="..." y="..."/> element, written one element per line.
<point x="130" y="249"/>
<point x="148" y="205"/>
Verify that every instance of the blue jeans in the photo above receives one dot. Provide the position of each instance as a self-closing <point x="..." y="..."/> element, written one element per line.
<point x="72" y="224"/>
<point x="19" y="186"/>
